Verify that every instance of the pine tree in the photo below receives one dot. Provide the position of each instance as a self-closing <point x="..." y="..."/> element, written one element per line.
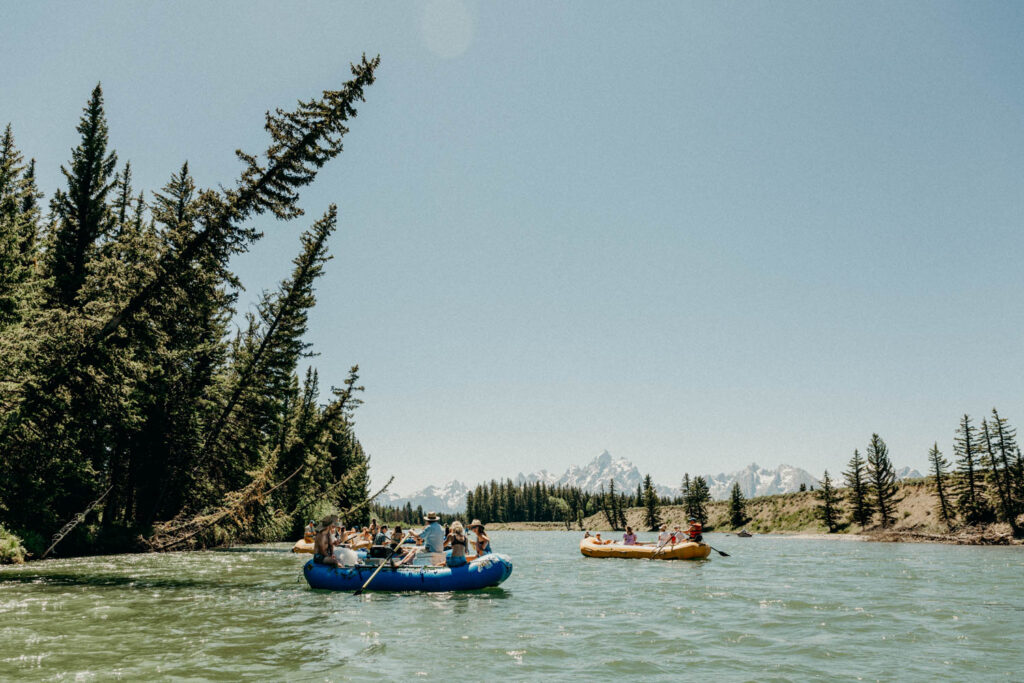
<point x="83" y="216"/>
<point x="737" y="507"/>
<point x="652" y="512"/>
<point x="1001" y="444"/>
<point x="857" y="480"/>
<point x="829" y="508"/>
<point x="122" y="374"/>
<point x="302" y="141"/>
<point x="882" y="477"/>
<point x="940" y="468"/>
<point x="970" y="501"/>
<point x="605" y="508"/>
<point x="613" y="505"/>
<point x="684" y="494"/>
<point x="19" y="225"/>
<point x="700" y="496"/>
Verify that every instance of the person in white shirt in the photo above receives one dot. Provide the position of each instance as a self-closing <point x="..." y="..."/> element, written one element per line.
<point x="433" y="539"/>
<point x="665" y="536"/>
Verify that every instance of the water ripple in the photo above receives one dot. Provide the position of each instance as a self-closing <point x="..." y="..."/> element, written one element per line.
<point x="778" y="609"/>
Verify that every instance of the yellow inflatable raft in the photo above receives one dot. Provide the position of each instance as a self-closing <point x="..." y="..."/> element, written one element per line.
<point x="305" y="545"/>
<point x="680" y="551"/>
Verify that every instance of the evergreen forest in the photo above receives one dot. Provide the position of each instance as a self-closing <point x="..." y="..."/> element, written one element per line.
<point x="140" y="408"/>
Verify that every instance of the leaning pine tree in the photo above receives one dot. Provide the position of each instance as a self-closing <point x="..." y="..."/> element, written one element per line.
<point x="940" y="467"/>
<point x="1001" y="442"/>
<point x="857" y="480"/>
<point x="127" y="349"/>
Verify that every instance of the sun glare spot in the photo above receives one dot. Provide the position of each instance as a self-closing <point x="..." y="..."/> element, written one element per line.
<point x="447" y="27"/>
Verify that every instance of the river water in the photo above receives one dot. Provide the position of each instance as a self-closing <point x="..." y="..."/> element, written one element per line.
<point x="777" y="609"/>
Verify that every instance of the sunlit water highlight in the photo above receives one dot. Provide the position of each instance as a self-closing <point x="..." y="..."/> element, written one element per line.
<point x="777" y="609"/>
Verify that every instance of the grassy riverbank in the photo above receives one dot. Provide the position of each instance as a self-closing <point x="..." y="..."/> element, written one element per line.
<point x="797" y="513"/>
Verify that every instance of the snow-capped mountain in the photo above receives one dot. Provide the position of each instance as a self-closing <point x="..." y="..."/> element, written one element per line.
<point x="754" y="481"/>
<point x="448" y="498"/>
<point x="542" y="476"/>
<point x="908" y="473"/>
<point x="595" y="474"/>
<point x="758" y="481"/>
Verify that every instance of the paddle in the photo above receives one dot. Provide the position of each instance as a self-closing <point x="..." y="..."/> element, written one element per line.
<point x="719" y="551"/>
<point x="661" y="550"/>
<point x="381" y="565"/>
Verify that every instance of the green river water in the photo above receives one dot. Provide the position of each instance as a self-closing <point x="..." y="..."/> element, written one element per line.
<point x="777" y="609"/>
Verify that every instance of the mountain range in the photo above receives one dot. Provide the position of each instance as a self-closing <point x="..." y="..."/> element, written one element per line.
<point x="754" y="480"/>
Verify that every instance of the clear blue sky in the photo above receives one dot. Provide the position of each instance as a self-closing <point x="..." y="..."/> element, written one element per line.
<point x="695" y="234"/>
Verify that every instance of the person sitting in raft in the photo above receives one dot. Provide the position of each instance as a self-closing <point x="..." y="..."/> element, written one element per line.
<point x="678" y="535"/>
<point x="665" y="537"/>
<point x="323" y="547"/>
<point x="696" y="530"/>
<point x="586" y="534"/>
<point x="629" y="538"/>
<point x="395" y="543"/>
<point x="432" y="537"/>
<point x="458" y="541"/>
<point x="600" y="541"/>
<point x="381" y="538"/>
<point x="309" y="532"/>
<point x="482" y="544"/>
<point x="373" y="528"/>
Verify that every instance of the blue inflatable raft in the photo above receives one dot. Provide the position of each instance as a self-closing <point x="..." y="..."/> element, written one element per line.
<point x="483" y="572"/>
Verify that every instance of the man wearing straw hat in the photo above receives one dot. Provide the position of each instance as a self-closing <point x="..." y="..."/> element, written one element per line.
<point x="433" y="539"/>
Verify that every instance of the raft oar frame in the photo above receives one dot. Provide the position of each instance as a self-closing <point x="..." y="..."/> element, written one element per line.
<point x="383" y="562"/>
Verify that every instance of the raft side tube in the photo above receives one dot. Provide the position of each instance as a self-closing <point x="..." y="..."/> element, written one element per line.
<point x="484" y="572"/>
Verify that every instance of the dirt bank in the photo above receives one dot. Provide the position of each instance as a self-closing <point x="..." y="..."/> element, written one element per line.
<point x="796" y="514"/>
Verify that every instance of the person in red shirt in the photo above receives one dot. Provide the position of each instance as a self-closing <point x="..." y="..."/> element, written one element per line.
<point x="695" y="530"/>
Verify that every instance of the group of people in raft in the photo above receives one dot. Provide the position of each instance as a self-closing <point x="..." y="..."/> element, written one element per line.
<point x="332" y="544"/>
<point x="694" y="534"/>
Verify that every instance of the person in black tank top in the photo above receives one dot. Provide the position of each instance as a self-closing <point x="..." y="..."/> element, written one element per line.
<point x="458" y="541"/>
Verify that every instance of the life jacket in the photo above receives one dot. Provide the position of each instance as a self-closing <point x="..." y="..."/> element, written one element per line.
<point x="695" y="530"/>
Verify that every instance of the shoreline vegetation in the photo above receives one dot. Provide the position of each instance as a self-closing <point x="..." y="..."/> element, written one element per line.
<point x="796" y="515"/>
<point x="140" y="409"/>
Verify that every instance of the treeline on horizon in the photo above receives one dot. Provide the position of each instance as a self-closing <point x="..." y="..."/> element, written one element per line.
<point x="984" y="485"/>
<point x="131" y="411"/>
<point x="506" y="501"/>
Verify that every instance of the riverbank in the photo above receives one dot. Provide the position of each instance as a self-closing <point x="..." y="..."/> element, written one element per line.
<point x="796" y="514"/>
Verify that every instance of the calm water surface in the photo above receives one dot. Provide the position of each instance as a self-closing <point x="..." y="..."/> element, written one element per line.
<point x="777" y="609"/>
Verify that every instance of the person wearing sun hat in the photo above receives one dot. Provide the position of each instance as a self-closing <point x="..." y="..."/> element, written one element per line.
<point x="482" y="542"/>
<point x="433" y="538"/>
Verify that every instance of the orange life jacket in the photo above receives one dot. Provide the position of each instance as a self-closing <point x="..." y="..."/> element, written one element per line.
<point x="695" y="530"/>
